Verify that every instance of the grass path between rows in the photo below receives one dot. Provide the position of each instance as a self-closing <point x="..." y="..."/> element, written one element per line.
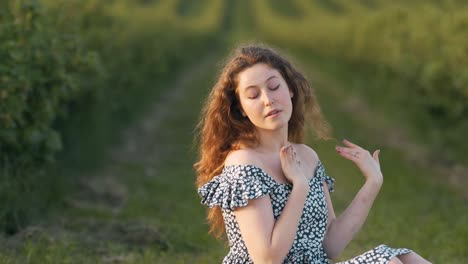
<point x="143" y="206"/>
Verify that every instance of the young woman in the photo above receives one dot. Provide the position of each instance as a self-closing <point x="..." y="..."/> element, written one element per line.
<point x="267" y="191"/>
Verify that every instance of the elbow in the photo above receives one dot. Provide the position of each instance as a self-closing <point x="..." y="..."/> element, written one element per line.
<point x="332" y="251"/>
<point x="333" y="255"/>
<point x="331" y="248"/>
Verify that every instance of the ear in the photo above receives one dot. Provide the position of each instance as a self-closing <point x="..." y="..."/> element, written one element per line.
<point x="291" y="94"/>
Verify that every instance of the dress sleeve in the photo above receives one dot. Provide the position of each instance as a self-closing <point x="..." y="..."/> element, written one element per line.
<point x="322" y="174"/>
<point x="235" y="186"/>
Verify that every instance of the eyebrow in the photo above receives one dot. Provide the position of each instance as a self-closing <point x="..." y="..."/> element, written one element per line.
<point x="253" y="86"/>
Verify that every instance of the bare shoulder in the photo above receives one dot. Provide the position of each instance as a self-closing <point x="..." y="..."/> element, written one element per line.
<point x="307" y="152"/>
<point x="242" y="157"/>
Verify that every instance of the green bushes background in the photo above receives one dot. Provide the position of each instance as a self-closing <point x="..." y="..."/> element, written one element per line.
<point x="41" y="70"/>
<point x="74" y="73"/>
<point x="70" y="80"/>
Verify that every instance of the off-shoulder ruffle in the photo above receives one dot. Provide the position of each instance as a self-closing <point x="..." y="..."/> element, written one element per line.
<point x="235" y="186"/>
<point x="323" y="176"/>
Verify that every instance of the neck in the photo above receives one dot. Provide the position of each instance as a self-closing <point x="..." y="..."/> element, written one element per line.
<point x="272" y="141"/>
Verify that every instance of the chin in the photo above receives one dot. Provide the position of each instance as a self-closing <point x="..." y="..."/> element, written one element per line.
<point x="275" y="127"/>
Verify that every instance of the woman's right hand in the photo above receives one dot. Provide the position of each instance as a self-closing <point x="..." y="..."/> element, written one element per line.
<point x="291" y="165"/>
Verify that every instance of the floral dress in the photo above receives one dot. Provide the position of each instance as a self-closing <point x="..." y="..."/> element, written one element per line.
<point x="237" y="184"/>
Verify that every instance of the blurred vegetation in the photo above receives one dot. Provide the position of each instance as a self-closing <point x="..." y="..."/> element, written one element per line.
<point x="64" y="72"/>
<point x="418" y="47"/>
<point x="75" y="73"/>
<point x="41" y="70"/>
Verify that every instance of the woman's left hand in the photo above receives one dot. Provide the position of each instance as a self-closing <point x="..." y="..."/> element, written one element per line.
<point x="367" y="163"/>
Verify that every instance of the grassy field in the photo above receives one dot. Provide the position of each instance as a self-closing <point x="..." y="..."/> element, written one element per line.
<point x="160" y="219"/>
<point x="141" y="205"/>
<point x="417" y="207"/>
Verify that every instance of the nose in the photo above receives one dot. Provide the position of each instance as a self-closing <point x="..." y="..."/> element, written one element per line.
<point x="268" y="98"/>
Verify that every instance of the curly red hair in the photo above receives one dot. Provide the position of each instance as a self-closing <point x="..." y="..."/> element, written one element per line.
<point x="222" y="128"/>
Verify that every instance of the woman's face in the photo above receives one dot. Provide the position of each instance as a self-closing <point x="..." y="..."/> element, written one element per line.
<point x="264" y="97"/>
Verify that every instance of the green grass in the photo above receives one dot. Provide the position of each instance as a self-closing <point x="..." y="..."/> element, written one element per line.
<point x="164" y="199"/>
<point x="416" y="208"/>
<point x="413" y="210"/>
<point x="190" y="8"/>
<point x="286" y="9"/>
<point x="330" y="6"/>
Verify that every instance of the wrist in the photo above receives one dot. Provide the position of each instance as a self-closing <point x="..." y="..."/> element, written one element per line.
<point x="374" y="182"/>
<point x="301" y="183"/>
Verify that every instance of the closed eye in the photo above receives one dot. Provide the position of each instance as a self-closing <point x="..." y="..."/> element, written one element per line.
<point x="274" y="88"/>
<point x="252" y="96"/>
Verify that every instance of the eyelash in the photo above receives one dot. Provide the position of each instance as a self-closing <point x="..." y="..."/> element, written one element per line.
<point x="273" y="89"/>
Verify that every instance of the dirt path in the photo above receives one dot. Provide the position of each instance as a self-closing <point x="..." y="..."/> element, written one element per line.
<point x="140" y="142"/>
<point x="106" y="193"/>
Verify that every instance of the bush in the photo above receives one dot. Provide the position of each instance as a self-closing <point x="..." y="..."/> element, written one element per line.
<point x="72" y="75"/>
<point x="41" y="70"/>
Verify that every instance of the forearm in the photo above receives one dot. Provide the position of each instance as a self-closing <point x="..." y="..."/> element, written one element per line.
<point x="285" y="228"/>
<point x="342" y="229"/>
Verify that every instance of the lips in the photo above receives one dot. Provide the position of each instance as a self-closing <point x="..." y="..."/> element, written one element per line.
<point x="272" y="112"/>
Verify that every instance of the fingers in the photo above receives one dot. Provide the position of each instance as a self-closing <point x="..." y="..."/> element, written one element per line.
<point x="376" y="155"/>
<point x="290" y="154"/>
<point x="351" y="152"/>
<point x="348" y="153"/>
<point x="286" y="152"/>
<point x="350" y="144"/>
<point x="355" y="153"/>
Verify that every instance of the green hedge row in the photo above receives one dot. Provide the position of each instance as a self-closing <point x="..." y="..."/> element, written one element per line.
<point x="72" y="74"/>
<point x="40" y="70"/>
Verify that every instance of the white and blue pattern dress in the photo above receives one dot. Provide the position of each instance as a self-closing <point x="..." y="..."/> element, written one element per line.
<point x="237" y="184"/>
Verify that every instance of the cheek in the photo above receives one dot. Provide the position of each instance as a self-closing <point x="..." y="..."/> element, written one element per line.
<point x="251" y="108"/>
<point x="286" y="97"/>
